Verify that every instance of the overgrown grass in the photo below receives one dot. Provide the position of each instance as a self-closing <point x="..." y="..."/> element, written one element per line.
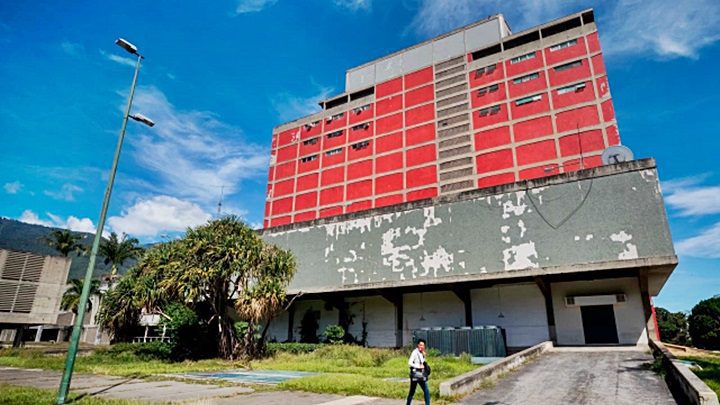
<point x="710" y="372"/>
<point x="354" y="370"/>
<point x="14" y="395"/>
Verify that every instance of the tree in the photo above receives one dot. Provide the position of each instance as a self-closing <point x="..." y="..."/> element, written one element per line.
<point x="119" y="312"/>
<point x="65" y="242"/>
<point x="705" y="324"/>
<point x="71" y="297"/>
<point x="673" y="326"/>
<point x="118" y="250"/>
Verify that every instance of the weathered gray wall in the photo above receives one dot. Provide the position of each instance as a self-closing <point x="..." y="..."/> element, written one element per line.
<point x="617" y="215"/>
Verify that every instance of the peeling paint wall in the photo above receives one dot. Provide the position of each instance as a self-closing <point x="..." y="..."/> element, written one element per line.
<point x="614" y="217"/>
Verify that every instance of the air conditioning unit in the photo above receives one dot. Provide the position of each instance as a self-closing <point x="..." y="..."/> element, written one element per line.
<point x="586" y="300"/>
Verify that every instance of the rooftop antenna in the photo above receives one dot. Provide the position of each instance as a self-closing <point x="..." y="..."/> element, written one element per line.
<point x="616" y="154"/>
<point x="222" y="189"/>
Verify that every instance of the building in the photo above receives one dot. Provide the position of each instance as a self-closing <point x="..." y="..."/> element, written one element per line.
<point x="459" y="182"/>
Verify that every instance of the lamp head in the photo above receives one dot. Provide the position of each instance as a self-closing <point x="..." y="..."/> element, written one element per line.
<point x="141" y="118"/>
<point x="126" y="46"/>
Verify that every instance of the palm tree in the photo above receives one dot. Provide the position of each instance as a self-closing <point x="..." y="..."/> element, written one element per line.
<point x="118" y="250"/>
<point x="65" y="242"/>
<point x="71" y="298"/>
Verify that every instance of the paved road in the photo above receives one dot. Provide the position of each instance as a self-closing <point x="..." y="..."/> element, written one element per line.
<point x="580" y="376"/>
<point x="173" y="391"/>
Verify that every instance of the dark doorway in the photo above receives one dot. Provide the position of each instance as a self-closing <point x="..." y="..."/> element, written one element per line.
<point x="599" y="324"/>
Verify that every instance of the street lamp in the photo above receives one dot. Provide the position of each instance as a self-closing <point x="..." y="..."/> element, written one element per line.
<point x="77" y="328"/>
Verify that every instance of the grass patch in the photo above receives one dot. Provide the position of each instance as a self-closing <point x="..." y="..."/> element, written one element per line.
<point x="710" y="372"/>
<point x="12" y="394"/>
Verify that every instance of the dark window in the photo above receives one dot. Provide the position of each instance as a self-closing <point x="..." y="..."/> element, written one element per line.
<point x="334" y="134"/>
<point x="360" y="145"/>
<point x="486" y="52"/>
<point x="309" y="158"/>
<point x="561" y="27"/>
<point x="311" y="141"/>
<point x="362" y="126"/>
<point x="522" y="40"/>
<point x="567" y="66"/>
<point x="362" y="93"/>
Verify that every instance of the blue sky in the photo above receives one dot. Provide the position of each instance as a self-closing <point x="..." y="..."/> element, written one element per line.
<point x="219" y="75"/>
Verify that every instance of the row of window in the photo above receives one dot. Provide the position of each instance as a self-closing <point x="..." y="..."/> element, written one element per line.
<point x="356" y="111"/>
<point x="529" y="99"/>
<point x="356" y="146"/>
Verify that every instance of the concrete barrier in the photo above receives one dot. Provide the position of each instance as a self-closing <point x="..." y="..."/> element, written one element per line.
<point x="470" y="381"/>
<point x="683" y="383"/>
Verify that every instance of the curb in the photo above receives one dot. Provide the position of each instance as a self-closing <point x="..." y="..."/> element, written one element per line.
<point x="683" y="383"/>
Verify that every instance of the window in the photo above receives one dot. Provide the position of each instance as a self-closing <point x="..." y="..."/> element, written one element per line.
<point x="361" y="126"/>
<point x="360" y="145"/>
<point x="335" y="117"/>
<point x="334" y="134"/>
<point x="309" y="158"/>
<point x="489" y="110"/>
<point x="495" y="109"/>
<point x="521" y="58"/>
<point x="527" y="100"/>
<point x="333" y="152"/>
<point x="567" y="66"/>
<point x="526" y="78"/>
<point x="571" y="89"/>
<point x="488" y="89"/>
<point x="563" y="45"/>
<point x="311" y="125"/>
<point x="311" y="141"/>
<point x="358" y="110"/>
<point x="486" y="69"/>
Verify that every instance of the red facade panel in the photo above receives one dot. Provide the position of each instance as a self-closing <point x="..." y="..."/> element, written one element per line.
<point x="388" y="124"/>
<point x="360" y="131"/>
<point x="565" y="50"/>
<point x="389" y="162"/>
<point x="588" y="163"/>
<point x="390" y="104"/>
<point x="332" y="176"/>
<point x="359" y="206"/>
<point x="335" y="121"/>
<point x="330" y="212"/>
<point x="492" y="138"/>
<point x="420" y="77"/>
<point x="305" y="216"/>
<point x="283" y="188"/>
<point x="536" y="172"/>
<point x="389" y="87"/>
<point x="358" y="189"/>
<point x="536" y="152"/>
<point x="421" y="176"/>
<point x="310" y="130"/>
<point x="533" y="128"/>
<point x="598" y="65"/>
<point x="487" y="95"/>
<point x="421" y="134"/>
<point x="487" y="75"/>
<point x="309" y="165"/>
<point x="287" y="153"/>
<point x="333" y="157"/>
<point x="360" y="169"/>
<point x="280" y="221"/>
<point x="334" y="139"/>
<point x="608" y="111"/>
<point x="570" y="72"/>
<point x="490" y="162"/>
<point x="584" y="142"/>
<point x="602" y="86"/>
<point x="282" y="206"/>
<point x="490" y="115"/>
<point x="526" y="84"/>
<point x="419" y="95"/>
<point x="388" y="183"/>
<point x="420" y="114"/>
<point x="573" y="94"/>
<point x="420" y="155"/>
<point x="523" y="63"/>
<point x="288" y="136"/>
<point x="422" y="194"/>
<point x="309" y="146"/>
<point x="593" y="42"/>
<point x="577" y="118"/>
<point x="612" y="135"/>
<point x="307" y="182"/>
<point x="305" y="201"/>
<point x="332" y="195"/>
<point x="360" y="150"/>
<point x="362" y="113"/>
<point x="530" y="105"/>
<point x="496" y="179"/>
<point x="389" y="142"/>
<point x="284" y="170"/>
<point x="388" y="200"/>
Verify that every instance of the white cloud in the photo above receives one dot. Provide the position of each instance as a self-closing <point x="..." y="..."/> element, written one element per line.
<point x="291" y="107"/>
<point x="72" y="48"/>
<point x="72" y="222"/>
<point x="66" y="192"/>
<point x="13" y="188"/>
<point x="661" y="28"/>
<point x="706" y="244"/>
<point x="118" y="59"/>
<point x="253" y="6"/>
<point x="158" y="215"/>
<point x="354" y="5"/>
<point x="656" y="28"/>
<point x="688" y="197"/>
<point x="192" y="154"/>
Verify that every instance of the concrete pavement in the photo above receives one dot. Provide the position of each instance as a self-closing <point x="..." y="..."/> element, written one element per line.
<point x="588" y="375"/>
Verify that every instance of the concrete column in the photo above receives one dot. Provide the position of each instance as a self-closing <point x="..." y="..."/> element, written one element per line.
<point x="18" y="340"/>
<point x="464" y="296"/>
<point x="647" y="306"/>
<point x="546" y="290"/>
<point x="397" y="300"/>
<point x="38" y="333"/>
<point x="291" y="323"/>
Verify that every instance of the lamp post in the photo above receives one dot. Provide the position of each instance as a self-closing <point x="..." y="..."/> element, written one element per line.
<point x="77" y="328"/>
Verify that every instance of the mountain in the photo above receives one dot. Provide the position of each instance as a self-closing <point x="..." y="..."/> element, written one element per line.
<point x="16" y="235"/>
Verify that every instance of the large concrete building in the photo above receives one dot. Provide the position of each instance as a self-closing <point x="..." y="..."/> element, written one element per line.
<point x="459" y="182"/>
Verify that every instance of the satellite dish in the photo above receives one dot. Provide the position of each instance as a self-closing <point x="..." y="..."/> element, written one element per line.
<point x="616" y="154"/>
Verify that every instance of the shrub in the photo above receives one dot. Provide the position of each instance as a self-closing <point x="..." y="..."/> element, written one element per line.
<point x="334" y="334"/>
<point x="184" y="330"/>
<point x="673" y="326"/>
<point x="705" y="324"/>
<point x="141" y="351"/>
<point x="292" y="347"/>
